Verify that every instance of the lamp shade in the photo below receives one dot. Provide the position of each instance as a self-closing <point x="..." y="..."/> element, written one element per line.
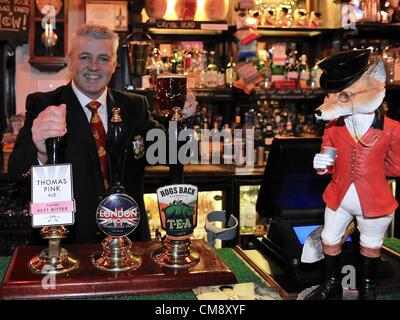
<point x="155" y="9"/>
<point x="216" y="9"/>
<point x="185" y="9"/>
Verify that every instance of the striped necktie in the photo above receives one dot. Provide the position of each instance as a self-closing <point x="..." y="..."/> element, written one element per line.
<point x="99" y="135"/>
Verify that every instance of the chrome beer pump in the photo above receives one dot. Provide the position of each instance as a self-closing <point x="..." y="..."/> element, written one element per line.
<point x="118" y="214"/>
<point x="54" y="259"/>
<point x="178" y="201"/>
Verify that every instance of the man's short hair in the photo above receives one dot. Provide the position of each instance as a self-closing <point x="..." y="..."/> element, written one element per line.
<point x="94" y="31"/>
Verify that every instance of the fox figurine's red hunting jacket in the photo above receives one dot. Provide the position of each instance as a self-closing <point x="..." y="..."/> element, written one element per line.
<point x="366" y="167"/>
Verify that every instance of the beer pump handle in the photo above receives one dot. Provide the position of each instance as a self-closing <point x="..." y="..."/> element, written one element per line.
<point x="116" y="151"/>
<point x="53" y="146"/>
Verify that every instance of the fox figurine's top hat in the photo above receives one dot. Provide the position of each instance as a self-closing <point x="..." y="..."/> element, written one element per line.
<point x="342" y="69"/>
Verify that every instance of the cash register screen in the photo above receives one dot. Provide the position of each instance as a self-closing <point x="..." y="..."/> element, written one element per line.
<point x="302" y="232"/>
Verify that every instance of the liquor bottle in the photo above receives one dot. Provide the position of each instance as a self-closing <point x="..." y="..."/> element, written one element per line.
<point x="155" y="67"/>
<point x="174" y="62"/>
<point x="258" y="139"/>
<point x="180" y="69"/>
<point x="212" y="72"/>
<point x="268" y="134"/>
<point x="292" y="73"/>
<point x="216" y="145"/>
<point x="227" y="152"/>
<point x="203" y="70"/>
<point x="237" y="134"/>
<point x="167" y="64"/>
<point x="304" y="72"/>
<point x="298" y="127"/>
<point x="189" y="69"/>
<point x="230" y="73"/>
<point x="221" y="77"/>
<point x="237" y="121"/>
<point x="196" y="64"/>
<point x="267" y="73"/>
<point x="204" y="147"/>
<point x="314" y="77"/>
<point x="289" y="128"/>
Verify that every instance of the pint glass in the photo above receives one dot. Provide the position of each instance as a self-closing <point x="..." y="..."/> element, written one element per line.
<point x="171" y="95"/>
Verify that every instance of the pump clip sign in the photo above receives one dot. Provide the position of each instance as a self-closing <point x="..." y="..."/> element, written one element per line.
<point x="52" y="196"/>
<point x="177" y="204"/>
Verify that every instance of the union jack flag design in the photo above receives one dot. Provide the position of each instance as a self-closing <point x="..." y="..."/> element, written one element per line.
<point x="118" y="215"/>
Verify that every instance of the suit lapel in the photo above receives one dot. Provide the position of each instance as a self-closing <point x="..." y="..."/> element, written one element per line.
<point x="345" y="134"/>
<point x="110" y="104"/>
<point x="80" y="132"/>
<point x="78" y="125"/>
<point x="372" y="136"/>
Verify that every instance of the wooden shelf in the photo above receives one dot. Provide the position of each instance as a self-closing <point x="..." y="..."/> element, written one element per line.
<point x="387" y="27"/>
<point x="46" y="64"/>
<point x="221" y="28"/>
<point x="290" y="94"/>
<point x="229" y="95"/>
<point x="375" y="31"/>
<point x="294" y="31"/>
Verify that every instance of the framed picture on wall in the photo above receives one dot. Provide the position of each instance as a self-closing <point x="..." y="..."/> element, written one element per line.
<point x="113" y="14"/>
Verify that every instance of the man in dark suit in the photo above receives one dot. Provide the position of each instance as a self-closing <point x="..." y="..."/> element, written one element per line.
<point x="64" y="112"/>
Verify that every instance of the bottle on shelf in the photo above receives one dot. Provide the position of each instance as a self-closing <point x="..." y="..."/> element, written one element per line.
<point x="197" y="67"/>
<point x="155" y="67"/>
<point x="227" y="152"/>
<point x="230" y="73"/>
<point x="292" y="72"/>
<point x="189" y="70"/>
<point x="215" y="142"/>
<point x="212" y="72"/>
<point x="204" y="147"/>
<point x="236" y="121"/>
<point x="203" y="70"/>
<point x="167" y="65"/>
<point x="314" y="76"/>
<point x="304" y="72"/>
<point x="258" y="139"/>
<point x="175" y="62"/>
<point x="267" y="72"/>
<point x="221" y="77"/>
<point x="268" y="134"/>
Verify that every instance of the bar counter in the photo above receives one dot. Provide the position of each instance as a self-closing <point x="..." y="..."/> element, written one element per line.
<point x="242" y="271"/>
<point x="249" y="264"/>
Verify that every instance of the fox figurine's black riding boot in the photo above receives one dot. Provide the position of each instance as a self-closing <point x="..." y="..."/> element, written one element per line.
<point x="331" y="287"/>
<point x="368" y="278"/>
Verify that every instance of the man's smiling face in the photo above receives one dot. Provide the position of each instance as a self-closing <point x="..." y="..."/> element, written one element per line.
<point x="92" y="63"/>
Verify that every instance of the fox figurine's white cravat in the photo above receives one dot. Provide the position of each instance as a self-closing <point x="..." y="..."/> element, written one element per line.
<point x="358" y="124"/>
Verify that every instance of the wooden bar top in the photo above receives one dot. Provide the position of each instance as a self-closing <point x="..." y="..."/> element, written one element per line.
<point x="87" y="281"/>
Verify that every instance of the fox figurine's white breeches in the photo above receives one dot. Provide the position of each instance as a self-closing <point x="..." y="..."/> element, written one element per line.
<point x="372" y="231"/>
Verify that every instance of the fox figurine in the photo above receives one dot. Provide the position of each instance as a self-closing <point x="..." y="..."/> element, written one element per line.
<point x="368" y="151"/>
